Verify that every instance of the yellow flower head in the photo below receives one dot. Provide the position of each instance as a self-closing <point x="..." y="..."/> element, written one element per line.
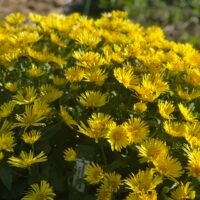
<point x="126" y="76"/>
<point x="67" y="118"/>
<point x="70" y="154"/>
<point x="6" y="109"/>
<point x="104" y="193"/>
<point x="12" y="87"/>
<point x="98" y="126"/>
<point x="15" y="18"/>
<point x="175" y="129"/>
<point x="137" y="130"/>
<point x="74" y="74"/>
<point x="7" y="142"/>
<point x="151" y="149"/>
<point x="112" y="181"/>
<point x="42" y="191"/>
<point x="187" y="114"/>
<point x="193" y="166"/>
<point x="26" y="160"/>
<point x="140" y="107"/>
<point x="94" y="173"/>
<point x="34" y="71"/>
<point x="117" y="137"/>
<point x="165" y="109"/>
<point x="143" y="182"/>
<point x="193" y="77"/>
<point x="168" y="166"/>
<point x="93" y="99"/>
<point x="31" y="137"/>
<point x="184" y="94"/>
<point x="148" y="196"/>
<point x="59" y="81"/>
<point x="183" y="191"/>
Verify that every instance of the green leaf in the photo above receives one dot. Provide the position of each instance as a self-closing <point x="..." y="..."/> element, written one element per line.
<point x="6" y="176"/>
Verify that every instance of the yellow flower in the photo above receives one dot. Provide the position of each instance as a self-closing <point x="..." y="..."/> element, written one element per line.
<point x="165" y="109"/>
<point x="67" y="117"/>
<point x="25" y="96"/>
<point x="187" y="114"/>
<point x="59" y="81"/>
<point x="193" y="166"/>
<point x="95" y="75"/>
<point x="168" y="166"/>
<point x="143" y="182"/>
<point x="31" y="137"/>
<point x="137" y="130"/>
<point x="94" y="173"/>
<point x="42" y="191"/>
<point x="49" y="93"/>
<point x="126" y="76"/>
<point x="175" y="129"/>
<point x="74" y="74"/>
<point x="1" y="155"/>
<point x="151" y="149"/>
<point x="93" y="99"/>
<point x="26" y="160"/>
<point x="29" y="118"/>
<point x="70" y="154"/>
<point x="186" y="95"/>
<point x="149" y="196"/>
<point x="98" y="126"/>
<point x="34" y="71"/>
<point x="6" y="109"/>
<point x="12" y="87"/>
<point x="88" y="59"/>
<point x="117" y="137"/>
<point x="193" y="77"/>
<point x="56" y="40"/>
<point x="7" y="142"/>
<point x="104" y="193"/>
<point x="140" y="107"/>
<point x="112" y="181"/>
<point x="183" y="191"/>
<point x="192" y="133"/>
<point x="15" y="18"/>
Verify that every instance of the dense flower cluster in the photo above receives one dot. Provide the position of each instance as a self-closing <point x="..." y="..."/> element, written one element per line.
<point x="123" y="90"/>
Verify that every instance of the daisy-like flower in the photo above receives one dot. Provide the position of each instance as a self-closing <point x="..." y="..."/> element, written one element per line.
<point x="31" y="137"/>
<point x="195" y="93"/>
<point x="151" y="149"/>
<point x="112" y="181"/>
<point x="59" y="81"/>
<point x="175" y="129"/>
<point x="140" y="107"/>
<point x="93" y="99"/>
<point x="12" y="87"/>
<point x="42" y="191"/>
<point x="25" y="96"/>
<point x="74" y="74"/>
<point x="49" y="93"/>
<point x="6" y="109"/>
<point x="70" y="154"/>
<point x="149" y="196"/>
<point x="137" y="130"/>
<point x="192" y="133"/>
<point x="15" y="18"/>
<point x="34" y="72"/>
<point x="168" y="166"/>
<point x="95" y="75"/>
<point x="7" y="142"/>
<point x="193" y="166"/>
<point x="26" y="160"/>
<point x="143" y="182"/>
<point x="187" y="114"/>
<point x="93" y="173"/>
<point x="103" y="193"/>
<point x="98" y="125"/>
<point x="117" y="137"/>
<point x="183" y="191"/>
<point x="193" y="76"/>
<point x="165" y="109"/>
<point x="126" y="76"/>
<point x="67" y="118"/>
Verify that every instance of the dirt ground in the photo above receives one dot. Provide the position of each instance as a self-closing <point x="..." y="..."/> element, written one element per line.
<point x="39" y="6"/>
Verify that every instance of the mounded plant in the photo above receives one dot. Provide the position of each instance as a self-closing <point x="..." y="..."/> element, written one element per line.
<point x="97" y="109"/>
